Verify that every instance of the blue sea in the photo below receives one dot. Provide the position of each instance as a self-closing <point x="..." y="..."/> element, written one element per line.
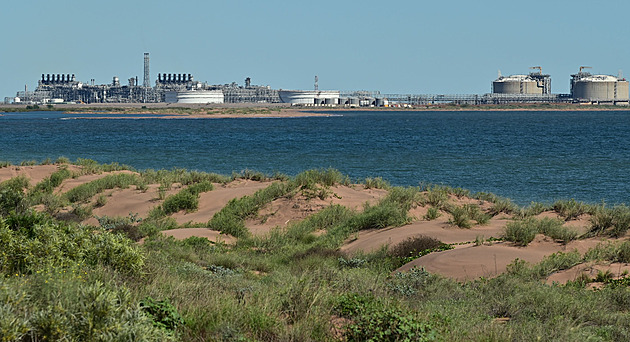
<point x="526" y="156"/>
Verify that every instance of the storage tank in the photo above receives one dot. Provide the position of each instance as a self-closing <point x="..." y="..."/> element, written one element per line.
<point x="598" y="88"/>
<point x="204" y="96"/>
<point x="308" y="96"/>
<point x="520" y="84"/>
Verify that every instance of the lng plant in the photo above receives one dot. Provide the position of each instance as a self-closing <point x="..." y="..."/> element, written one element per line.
<point x="534" y="87"/>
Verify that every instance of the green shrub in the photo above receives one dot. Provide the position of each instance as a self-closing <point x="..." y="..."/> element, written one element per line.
<point x="183" y="200"/>
<point x="34" y="241"/>
<point x="502" y="205"/>
<point x="84" y="192"/>
<point x="12" y="197"/>
<point x="372" y="321"/>
<point x="521" y="232"/>
<point x="82" y="212"/>
<point x="614" y="221"/>
<point x="62" y="160"/>
<point x="570" y="209"/>
<point x="56" y="306"/>
<point x="47" y="185"/>
<point x="435" y="196"/>
<point x="230" y="219"/>
<point x="163" y="314"/>
<point x="376" y="183"/>
<point x="101" y="201"/>
<point x="459" y="217"/>
<point x="554" y="229"/>
<point x="327" y="177"/>
<point x="432" y="214"/>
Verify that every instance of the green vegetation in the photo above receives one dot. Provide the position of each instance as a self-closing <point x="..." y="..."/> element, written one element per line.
<point x="376" y="183"/>
<point x="84" y="192"/>
<point x="523" y="232"/>
<point x="187" y="199"/>
<point x="61" y="280"/>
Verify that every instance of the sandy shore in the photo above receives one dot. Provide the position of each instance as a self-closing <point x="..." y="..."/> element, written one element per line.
<point x="277" y="110"/>
<point x="468" y="260"/>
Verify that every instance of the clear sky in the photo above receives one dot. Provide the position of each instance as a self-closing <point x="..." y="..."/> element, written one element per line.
<point x="408" y="46"/>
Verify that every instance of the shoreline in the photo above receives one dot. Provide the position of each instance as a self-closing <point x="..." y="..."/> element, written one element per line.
<point x="194" y="111"/>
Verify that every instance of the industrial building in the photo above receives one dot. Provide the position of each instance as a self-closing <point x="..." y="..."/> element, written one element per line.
<point x="169" y="87"/>
<point x="599" y="89"/>
<point x="534" y="87"/>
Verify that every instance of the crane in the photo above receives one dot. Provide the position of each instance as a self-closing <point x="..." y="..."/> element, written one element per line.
<point x="539" y="69"/>
<point x="584" y="67"/>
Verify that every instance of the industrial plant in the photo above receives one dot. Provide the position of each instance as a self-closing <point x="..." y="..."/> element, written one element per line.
<point x="534" y="87"/>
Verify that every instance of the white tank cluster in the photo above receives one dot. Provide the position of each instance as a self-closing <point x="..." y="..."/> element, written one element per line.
<point x="586" y="87"/>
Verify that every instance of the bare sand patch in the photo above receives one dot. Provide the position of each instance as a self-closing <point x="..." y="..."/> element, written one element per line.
<point x="590" y="270"/>
<point x="371" y="240"/>
<point x="35" y="173"/>
<point x="123" y="202"/>
<point x="471" y="262"/>
<point x="213" y="201"/>
<point x="355" y="196"/>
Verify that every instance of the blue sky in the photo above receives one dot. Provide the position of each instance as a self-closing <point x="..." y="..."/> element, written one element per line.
<point x="395" y="47"/>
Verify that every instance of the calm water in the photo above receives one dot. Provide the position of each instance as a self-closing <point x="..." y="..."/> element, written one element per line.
<point x="527" y="156"/>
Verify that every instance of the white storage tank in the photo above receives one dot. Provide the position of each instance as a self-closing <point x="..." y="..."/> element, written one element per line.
<point x="194" y="96"/>
<point x="598" y="88"/>
<point x="308" y="97"/>
<point x="517" y="84"/>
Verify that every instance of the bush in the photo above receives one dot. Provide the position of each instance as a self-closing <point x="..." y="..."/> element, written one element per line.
<point x="56" y="306"/>
<point x="615" y="221"/>
<point x="554" y="229"/>
<point x="34" y="241"/>
<point x="372" y="321"/>
<point x="521" y="232"/>
<point x="183" y="200"/>
<point x="163" y="314"/>
<point x="413" y="246"/>
<point x="459" y="217"/>
<point x="432" y="214"/>
<point x="502" y="205"/>
<point x="570" y="209"/>
<point x="47" y="185"/>
<point x="85" y="191"/>
<point x="376" y="183"/>
<point x="435" y="196"/>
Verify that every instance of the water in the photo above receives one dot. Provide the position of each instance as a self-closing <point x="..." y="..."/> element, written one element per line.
<point x="527" y="156"/>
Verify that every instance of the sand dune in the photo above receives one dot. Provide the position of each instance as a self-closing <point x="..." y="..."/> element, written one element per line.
<point x="34" y="173"/>
<point x="465" y="262"/>
<point x="212" y="201"/>
<point x="372" y="240"/>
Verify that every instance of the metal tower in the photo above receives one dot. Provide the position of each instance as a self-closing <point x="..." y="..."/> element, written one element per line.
<point x="147" y="81"/>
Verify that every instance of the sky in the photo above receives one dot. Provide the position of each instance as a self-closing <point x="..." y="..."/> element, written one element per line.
<point x="406" y="46"/>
